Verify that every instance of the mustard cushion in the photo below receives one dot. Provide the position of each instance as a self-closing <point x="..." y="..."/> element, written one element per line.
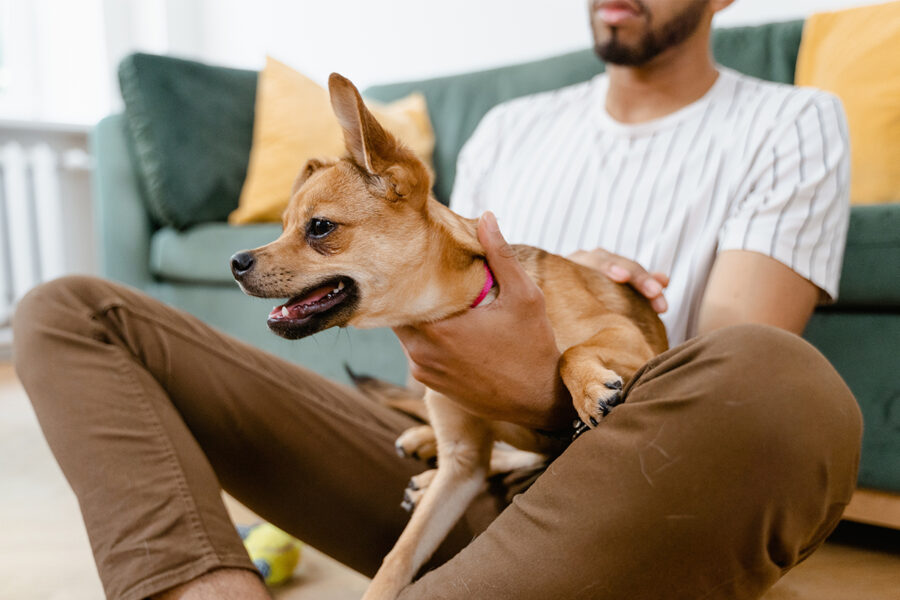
<point x="294" y="122"/>
<point x="855" y="54"/>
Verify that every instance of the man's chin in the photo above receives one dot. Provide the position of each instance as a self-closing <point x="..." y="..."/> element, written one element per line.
<point x="616" y="53"/>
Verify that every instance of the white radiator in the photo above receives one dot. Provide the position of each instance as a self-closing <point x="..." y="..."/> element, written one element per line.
<point x="44" y="200"/>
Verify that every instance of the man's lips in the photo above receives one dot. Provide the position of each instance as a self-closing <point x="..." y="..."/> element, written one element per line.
<point x="616" y="12"/>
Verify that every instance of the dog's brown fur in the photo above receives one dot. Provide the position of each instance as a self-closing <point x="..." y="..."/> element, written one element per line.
<point x="407" y="259"/>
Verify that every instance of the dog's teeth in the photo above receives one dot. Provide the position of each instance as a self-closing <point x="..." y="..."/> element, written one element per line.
<point x="340" y="286"/>
<point x="285" y="312"/>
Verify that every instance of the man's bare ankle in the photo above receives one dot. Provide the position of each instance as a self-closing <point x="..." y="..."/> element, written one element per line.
<point x="221" y="584"/>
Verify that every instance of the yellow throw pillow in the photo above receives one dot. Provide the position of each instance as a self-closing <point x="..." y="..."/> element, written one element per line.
<point x="294" y="122"/>
<point x="855" y="54"/>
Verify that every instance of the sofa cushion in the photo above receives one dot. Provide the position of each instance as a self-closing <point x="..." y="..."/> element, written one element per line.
<point x="200" y="254"/>
<point x="871" y="274"/>
<point x="457" y="103"/>
<point x="855" y="54"/>
<point x="190" y="127"/>
<point x="862" y="346"/>
<point x="294" y="122"/>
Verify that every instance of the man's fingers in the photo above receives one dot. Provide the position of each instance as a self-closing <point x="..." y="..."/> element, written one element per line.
<point x="501" y="257"/>
<point x="493" y="242"/>
<point x="617" y="273"/>
<point x="662" y="278"/>
<point x="650" y="285"/>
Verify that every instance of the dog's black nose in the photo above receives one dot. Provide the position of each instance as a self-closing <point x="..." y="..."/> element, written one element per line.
<point x="241" y="263"/>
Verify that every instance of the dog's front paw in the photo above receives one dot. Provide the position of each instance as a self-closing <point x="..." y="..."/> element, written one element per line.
<point x="598" y="398"/>
<point x="417" y="442"/>
<point x="416" y="489"/>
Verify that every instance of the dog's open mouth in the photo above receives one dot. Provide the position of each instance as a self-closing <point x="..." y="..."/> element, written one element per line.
<point x="292" y="318"/>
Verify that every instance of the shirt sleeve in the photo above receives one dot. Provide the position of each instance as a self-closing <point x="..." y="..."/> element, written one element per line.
<point x="468" y="197"/>
<point x="796" y="205"/>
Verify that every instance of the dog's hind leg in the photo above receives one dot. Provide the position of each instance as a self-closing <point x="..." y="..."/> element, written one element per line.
<point x="504" y="459"/>
<point x="464" y="449"/>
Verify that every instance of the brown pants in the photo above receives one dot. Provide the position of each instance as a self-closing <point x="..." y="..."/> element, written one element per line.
<point x="730" y="462"/>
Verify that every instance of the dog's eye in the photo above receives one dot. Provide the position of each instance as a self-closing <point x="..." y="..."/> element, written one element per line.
<point x="319" y="228"/>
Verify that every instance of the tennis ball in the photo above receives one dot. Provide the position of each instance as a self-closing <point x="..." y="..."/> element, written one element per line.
<point x="274" y="552"/>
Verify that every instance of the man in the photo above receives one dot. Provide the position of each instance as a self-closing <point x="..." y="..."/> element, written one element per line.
<point x="731" y="190"/>
<point x="729" y="462"/>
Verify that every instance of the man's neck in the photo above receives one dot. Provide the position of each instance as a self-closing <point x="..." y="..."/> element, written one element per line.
<point x="671" y="81"/>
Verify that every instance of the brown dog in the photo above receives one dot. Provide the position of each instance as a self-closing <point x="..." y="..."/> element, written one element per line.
<point x="365" y="244"/>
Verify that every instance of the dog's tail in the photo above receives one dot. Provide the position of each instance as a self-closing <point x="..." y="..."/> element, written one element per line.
<point x="393" y="396"/>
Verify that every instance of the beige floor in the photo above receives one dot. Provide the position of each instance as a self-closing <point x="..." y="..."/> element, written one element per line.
<point x="45" y="554"/>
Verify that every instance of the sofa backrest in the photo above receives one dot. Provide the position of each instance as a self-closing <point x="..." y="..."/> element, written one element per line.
<point x="457" y="103"/>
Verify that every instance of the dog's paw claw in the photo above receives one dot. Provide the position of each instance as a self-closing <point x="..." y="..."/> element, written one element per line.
<point x="399" y="449"/>
<point x="614" y="400"/>
<point x="411" y="496"/>
<point x="417" y="443"/>
<point x="603" y="407"/>
<point x="578" y="427"/>
<point x="415" y="489"/>
<point x="598" y="399"/>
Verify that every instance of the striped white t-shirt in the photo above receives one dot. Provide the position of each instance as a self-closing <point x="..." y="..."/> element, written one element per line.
<point x="752" y="165"/>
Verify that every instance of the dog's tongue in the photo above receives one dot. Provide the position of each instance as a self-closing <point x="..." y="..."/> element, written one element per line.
<point x="301" y="307"/>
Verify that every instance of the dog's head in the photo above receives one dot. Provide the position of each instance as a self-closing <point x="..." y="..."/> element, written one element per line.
<point x="355" y="233"/>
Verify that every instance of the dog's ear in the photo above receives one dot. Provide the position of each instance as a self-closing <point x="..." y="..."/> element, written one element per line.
<point x="311" y="166"/>
<point x="362" y="133"/>
<point x="373" y="148"/>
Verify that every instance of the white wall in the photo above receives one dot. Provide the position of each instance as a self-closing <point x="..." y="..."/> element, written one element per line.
<point x="392" y="40"/>
<point x="53" y="60"/>
<point x="62" y="54"/>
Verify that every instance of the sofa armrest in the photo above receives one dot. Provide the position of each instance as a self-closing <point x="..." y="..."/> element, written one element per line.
<point x="123" y="224"/>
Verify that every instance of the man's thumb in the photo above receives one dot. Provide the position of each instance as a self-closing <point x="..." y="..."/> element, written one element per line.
<point x="501" y="257"/>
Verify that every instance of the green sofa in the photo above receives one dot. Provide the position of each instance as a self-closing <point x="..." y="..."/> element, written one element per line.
<point x="185" y="262"/>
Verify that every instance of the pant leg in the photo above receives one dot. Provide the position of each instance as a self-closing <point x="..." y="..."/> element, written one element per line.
<point x="730" y="461"/>
<point x="148" y="411"/>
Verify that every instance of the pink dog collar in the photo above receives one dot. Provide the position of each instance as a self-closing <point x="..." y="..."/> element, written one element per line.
<point x="488" y="284"/>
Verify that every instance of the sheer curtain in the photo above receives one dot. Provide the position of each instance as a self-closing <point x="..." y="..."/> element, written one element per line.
<point x="58" y="58"/>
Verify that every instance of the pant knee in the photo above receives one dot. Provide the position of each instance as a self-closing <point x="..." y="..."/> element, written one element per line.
<point x="790" y="397"/>
<point x="763" y="362"/>
<point x="767" y="425"/>
<point x="767" y="391"/>
<point x="65" y="304"/>
<point x="755" y="344"/>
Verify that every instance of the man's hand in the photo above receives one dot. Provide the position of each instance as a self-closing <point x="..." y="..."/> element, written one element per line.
<point x="622" y="270"/>
<point x="498" y="361"/>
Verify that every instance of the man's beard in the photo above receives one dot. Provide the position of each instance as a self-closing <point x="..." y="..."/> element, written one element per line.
<point x="653" y="43"/>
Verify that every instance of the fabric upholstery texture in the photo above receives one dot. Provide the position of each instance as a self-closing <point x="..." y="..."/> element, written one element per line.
<point x="860" y="345"/>
<point x="190" y="127"/>
<point x="871" y="273"/>
<point x="201" y="254"/>
<point x="855" y="54"/>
